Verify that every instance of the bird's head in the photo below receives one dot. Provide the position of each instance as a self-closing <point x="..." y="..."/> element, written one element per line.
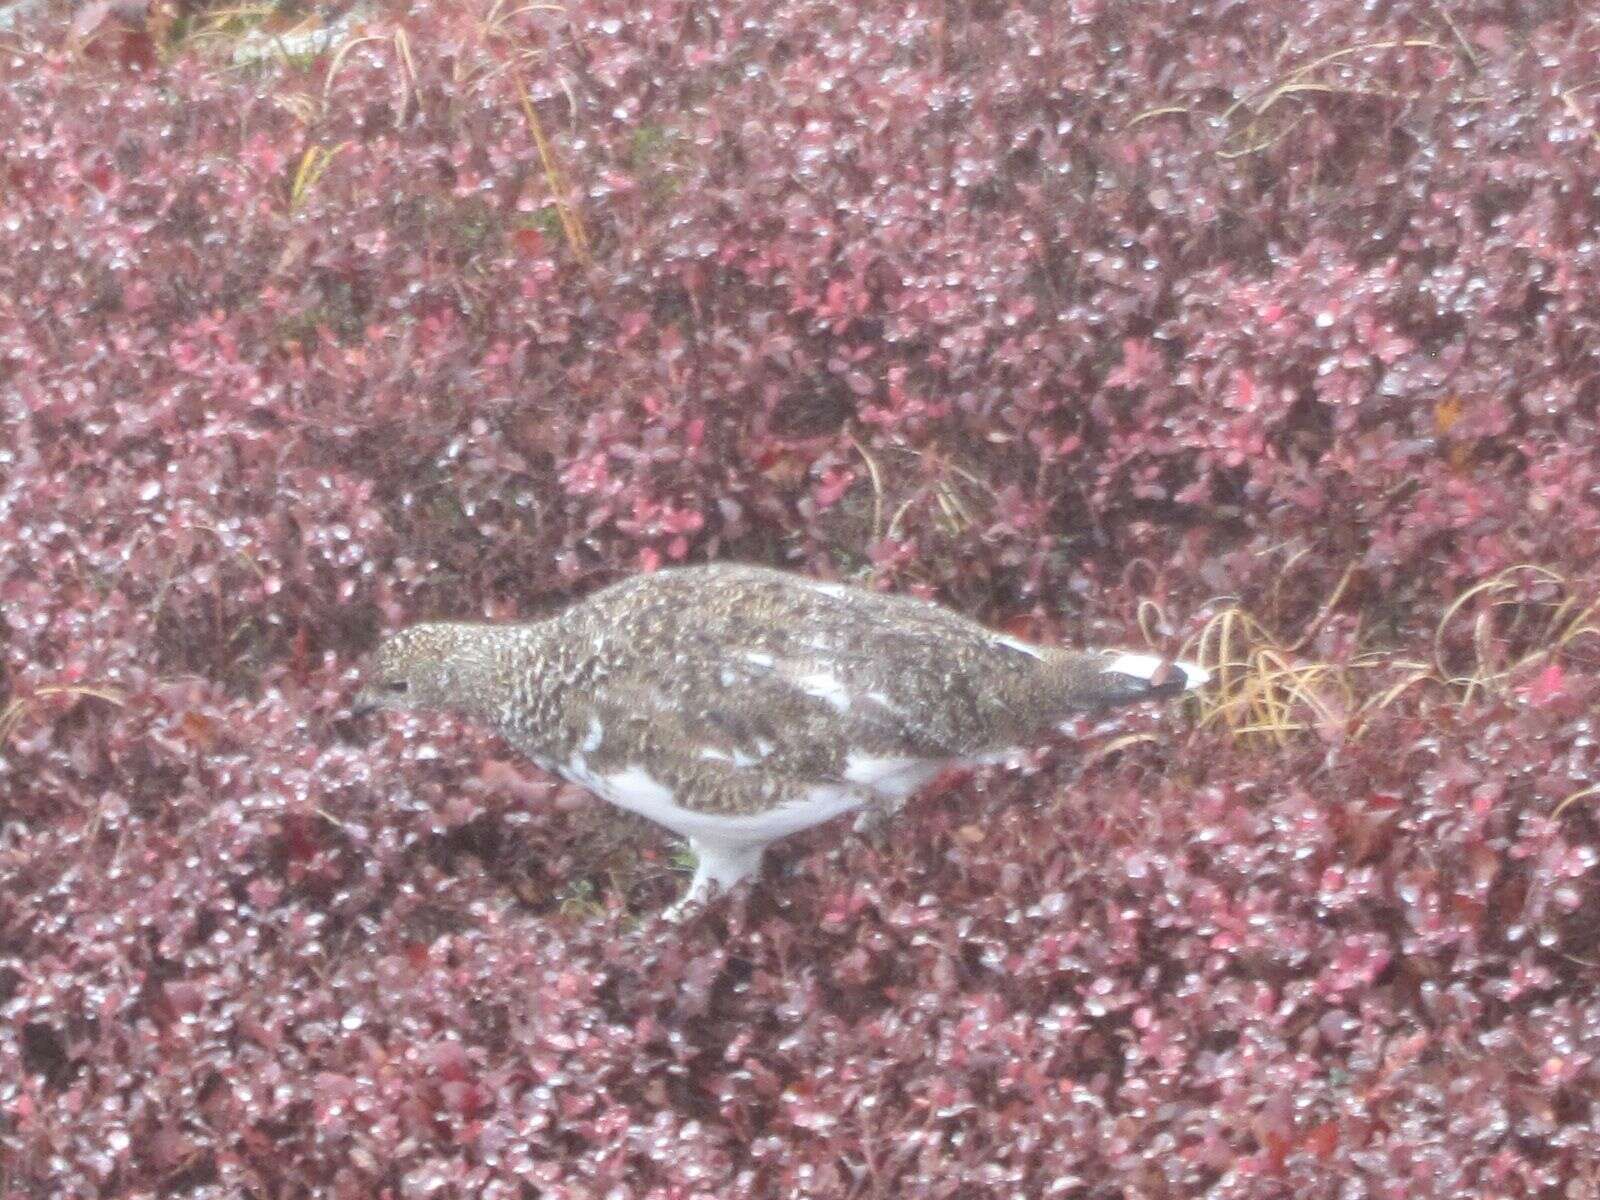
<point x="436" y="664"/>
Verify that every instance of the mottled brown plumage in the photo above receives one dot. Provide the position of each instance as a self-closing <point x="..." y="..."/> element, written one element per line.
<point x="737" y="704"/>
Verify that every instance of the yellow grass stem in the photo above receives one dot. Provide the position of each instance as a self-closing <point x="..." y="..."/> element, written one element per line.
<point x="560" y="189"/>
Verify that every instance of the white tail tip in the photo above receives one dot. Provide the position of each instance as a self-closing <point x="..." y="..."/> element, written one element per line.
<point x="1145" y="666"/>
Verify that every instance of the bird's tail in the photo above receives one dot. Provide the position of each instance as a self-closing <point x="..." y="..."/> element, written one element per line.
<point x="1107" y="679"/>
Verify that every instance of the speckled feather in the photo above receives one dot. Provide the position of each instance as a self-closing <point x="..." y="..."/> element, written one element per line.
<point x="741" y="703"/>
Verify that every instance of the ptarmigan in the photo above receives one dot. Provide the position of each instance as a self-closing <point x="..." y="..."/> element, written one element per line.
<point x="737" y="704"/>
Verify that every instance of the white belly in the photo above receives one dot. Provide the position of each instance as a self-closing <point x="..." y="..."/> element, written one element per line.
<point x="634" y="789"/>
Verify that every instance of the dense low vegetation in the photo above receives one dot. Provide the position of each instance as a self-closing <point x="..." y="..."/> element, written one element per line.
<point x="1266" y="331"/>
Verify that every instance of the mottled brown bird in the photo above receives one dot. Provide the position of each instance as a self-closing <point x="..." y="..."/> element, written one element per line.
<point x="736" y="704"/>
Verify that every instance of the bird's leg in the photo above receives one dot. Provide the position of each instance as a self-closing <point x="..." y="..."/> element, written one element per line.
<point x="699" y="892"/>
<point x="718" y="866"/>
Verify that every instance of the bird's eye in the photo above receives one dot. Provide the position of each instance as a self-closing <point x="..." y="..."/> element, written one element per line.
<point x="396" y="685"/>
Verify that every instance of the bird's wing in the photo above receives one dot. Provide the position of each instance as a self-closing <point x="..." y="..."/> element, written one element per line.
<point x="868" y="697"/>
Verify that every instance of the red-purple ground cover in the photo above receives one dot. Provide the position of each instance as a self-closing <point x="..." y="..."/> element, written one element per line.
<point x="1270" y="327"/>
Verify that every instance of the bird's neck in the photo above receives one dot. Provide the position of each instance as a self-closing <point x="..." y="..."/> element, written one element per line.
<point x="490" y="662"/>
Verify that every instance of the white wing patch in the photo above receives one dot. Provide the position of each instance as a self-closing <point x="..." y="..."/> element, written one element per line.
<point x="825" y="685"/>
<point x="827" y="589"/>
<point x="1033" y="651"/>
<point x="637" y="789"/>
